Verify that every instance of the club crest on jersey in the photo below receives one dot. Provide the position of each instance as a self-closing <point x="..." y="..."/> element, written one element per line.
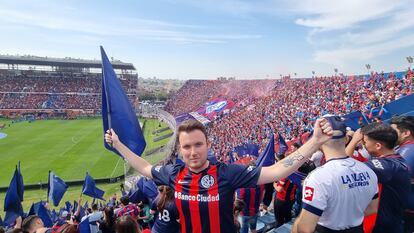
<point x="308" y="194"/>
<point x="207" y="181"/>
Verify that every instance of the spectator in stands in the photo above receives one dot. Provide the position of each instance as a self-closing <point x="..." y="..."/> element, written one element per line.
<point x="404" y="125"/>
<point x="14" y="230"/>
<point x="239" y="205"/>
<point x="283" y="201"/>
<point x="94" y="217"/>
<point x="252" y="197"/>
<point x="128" y="208"/>
<point x="68" y="228"/>
<point x="33" y="224"/>
<point x="197" y="171"/>
<point x="336" y="195"/>
<point x="146" y="216"/>
<point x="108" y="223"/>
<point x="167" y="217"/>
<point x="393" y="175"/>
<point x="127" y="224"/>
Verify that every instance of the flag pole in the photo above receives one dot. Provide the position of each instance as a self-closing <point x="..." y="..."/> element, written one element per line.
<point x="48" y="188"/>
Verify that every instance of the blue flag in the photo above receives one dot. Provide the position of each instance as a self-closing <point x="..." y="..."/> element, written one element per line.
<point x="117" y="112"/>
<point x="68" y="206"/>
<point x="267" y="158"/>
<point x="241" y="151"/>
<point x="147" y="187"/>
<point x="90" y="189"/>
<point x="20" y="186"/>
<point x="135" y="195"/>
<point x="14" y="196"/>
<point x="283" y="147"/>
<point x="40" y="210"/>
<point x="75" y="206"/>
<point x="56" y="188"/>
<point x="81" y="212"/>
<point x="211" y="157"/>
<point x="84" y="226"/>
<point x="9" y="219"/>
<point x="297" y="178"/>
<point x="85" y="206"/>
<point x="253" y="149"/>
<point x="54" y="215"/>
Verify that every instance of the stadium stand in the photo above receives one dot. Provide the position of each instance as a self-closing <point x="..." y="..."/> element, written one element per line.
<point x="39" y="85"/>
<point x="288" y="106"/>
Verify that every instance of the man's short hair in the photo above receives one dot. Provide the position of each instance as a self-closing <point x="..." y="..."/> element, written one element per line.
<point x="28" y="222"/>
<point x="189" y="126"/>
<point x="382" y="133"/>
<point x="94" y="206"/>
<point x="404" y="123"/>
<point x="125" y="200"/>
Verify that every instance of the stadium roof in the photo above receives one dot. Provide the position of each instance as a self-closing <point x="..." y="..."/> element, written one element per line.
<point x="61" y="62"/>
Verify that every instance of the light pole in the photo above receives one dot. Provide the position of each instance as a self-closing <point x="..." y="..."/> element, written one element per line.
<point x="336" y="72"/>
<point x="313" y="74"/>
<point x="410" y="60"/>
<point x="368" y="66"/>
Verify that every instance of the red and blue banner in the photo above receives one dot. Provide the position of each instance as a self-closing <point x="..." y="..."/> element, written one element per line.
<point x="215" y="107"/>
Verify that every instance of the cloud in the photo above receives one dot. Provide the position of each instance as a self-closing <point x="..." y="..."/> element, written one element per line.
<point x="68" y="21"/>
<point x="343" y="32"/>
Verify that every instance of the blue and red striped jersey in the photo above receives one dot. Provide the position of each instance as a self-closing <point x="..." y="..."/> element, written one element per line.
<point x="252" y="197"/>
<point x="288" y="192"/>
<point x="205" y="200"/>
<point x="130" y="209"/>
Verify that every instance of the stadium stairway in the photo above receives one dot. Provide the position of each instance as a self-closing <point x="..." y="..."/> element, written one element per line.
<point x="265" y="223"/>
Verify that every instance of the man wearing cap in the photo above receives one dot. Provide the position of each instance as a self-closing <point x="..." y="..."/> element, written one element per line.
<point x="336" y="195"/>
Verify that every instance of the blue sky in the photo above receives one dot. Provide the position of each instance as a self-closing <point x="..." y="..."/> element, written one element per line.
<point x="206" y="39"/>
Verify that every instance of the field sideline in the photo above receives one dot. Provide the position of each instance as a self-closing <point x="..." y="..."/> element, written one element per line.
<point x="67" y="147"/>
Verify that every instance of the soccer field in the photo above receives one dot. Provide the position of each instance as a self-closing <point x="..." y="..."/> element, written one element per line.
<point x="70" y="148"/>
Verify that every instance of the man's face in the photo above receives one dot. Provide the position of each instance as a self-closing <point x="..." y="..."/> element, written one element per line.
<point x="194" y="149"/>
<point x="371" y="145"/>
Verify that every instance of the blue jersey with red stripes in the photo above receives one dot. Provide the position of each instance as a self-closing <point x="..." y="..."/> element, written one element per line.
<point x="394" y="181"/>
<point x="406" y="150"/>
<point x="252" y="197"/>
<point x="130" y="209"/>
<point x="205" y="200"/>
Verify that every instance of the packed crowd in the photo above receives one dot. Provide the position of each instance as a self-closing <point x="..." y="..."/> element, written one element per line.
<point x="118" y="215"/>
<point x="287" y="106"/>
<point x="57" y="91"/>
<point x="53" y="101"/>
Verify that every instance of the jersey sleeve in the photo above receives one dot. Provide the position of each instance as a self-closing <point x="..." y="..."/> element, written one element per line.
<point x="240" y="176"/>
<point x="162" y="174"/>
<point x="382" y="168"/>
<point x="314" y="195"/>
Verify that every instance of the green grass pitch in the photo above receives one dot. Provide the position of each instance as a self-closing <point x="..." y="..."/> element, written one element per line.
<point x="70" y="148"/>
